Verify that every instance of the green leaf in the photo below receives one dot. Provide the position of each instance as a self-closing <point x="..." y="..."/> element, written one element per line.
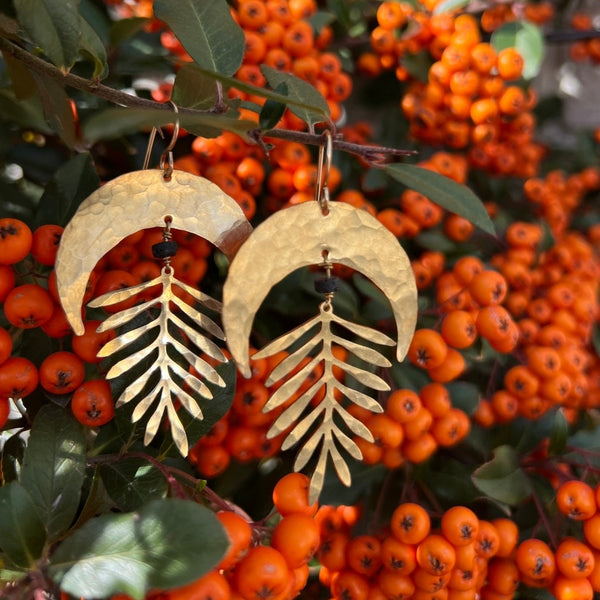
<point x="207" y="31"/>
<point x="502" y="478"/>
<point x="559" y="434"/>
<point x="25" y="113"/>
<point x="272" y="111"/>
<point x="23" y="82"/>
<point x="74" y="181"/>
<point x="364" y="479"/>
<point x="92" y="48"/>
<point x="465" y="395"/>
<point x="448" y="5"/>
<point x="13" y="451"/>
<point x="57" y="108"/>
<point x="131" y="482"/>
<point x="123" y="29"/>
<point x="301" y="91"/>
<point x="115" y="122"/>
<point x="167" y="543"/>
<point x="54" y="26"/>
<point x="527" y="38"/>
<point x="193" y="88"/>
<point x="54" y="468"/>
<point x="22" y="533"/>
<point x="449" y="194"/>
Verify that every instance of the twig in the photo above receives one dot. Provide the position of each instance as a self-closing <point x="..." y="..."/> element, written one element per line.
<point x="374" y="155"/>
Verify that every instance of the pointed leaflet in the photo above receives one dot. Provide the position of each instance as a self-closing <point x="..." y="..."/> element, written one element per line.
<point x="54" y="26"/>
<point x="22" y="533"/>
<point x="160" y="546"/>
<point x="54" y="468"/>
<point x="206" y="30"/>
<point x="74" y="181"/>
<point x="299" y="90"/>
<point x="449" y="194"/>
<point x="502" y="478"/>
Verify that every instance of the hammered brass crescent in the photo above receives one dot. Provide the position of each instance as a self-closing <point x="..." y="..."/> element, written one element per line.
<point x="296" y="237"/>
<point x="140" y="200"/>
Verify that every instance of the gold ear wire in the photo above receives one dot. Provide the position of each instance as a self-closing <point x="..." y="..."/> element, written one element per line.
<point x="167" y="156"/>
<point x="323" y="169"/>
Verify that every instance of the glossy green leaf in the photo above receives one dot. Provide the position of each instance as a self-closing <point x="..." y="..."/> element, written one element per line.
<point x="57" y="108"/>
<point x="27" y="113"/>
<point x="558" y="434"/>
<point x="74" y="181"/>
<point x="272" y="110"/>
<point x="123" y="29"/>
<point x="115" y="122"/>
<point x="194" y="89"/>
<point x="54" y="468"/>
<point x="502" y="478"/>
<point x="166" y="543"/>
<point x="527" y="38"/>
<point x="13" y="451"/>
<point x="301" y="91"/>
<point x="449" y="194"/>
<point x="22" y="533"/>
<point x="131" y="482"/>
<point x="92" y="48"/>
<point x="23" y="83"/>
<point x="53" y="26"/>
<point x="206" y="30"/>
<point x="298" y="102"/>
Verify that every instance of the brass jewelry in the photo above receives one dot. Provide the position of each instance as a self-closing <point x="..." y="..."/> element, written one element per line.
<point x="319" y="233"/>
<point x="164" y="198"/>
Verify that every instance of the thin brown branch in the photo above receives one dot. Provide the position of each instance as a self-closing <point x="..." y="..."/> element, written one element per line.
<point x="374" y="155"/>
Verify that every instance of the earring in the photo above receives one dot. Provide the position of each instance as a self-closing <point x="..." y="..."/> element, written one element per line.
<point x="320" y="233"/>
<point x="148" y="198"/>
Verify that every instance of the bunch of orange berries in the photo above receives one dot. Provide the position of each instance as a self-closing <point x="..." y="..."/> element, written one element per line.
<point x="471" y="100"/>
<point x="462" y="557"/>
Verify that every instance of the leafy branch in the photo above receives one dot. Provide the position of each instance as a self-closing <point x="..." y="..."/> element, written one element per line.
<point x="214" y="115"/>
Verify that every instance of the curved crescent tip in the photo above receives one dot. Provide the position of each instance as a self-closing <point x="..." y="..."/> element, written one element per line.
<point x="134" y="201"/>
<point x="296" y="237"/>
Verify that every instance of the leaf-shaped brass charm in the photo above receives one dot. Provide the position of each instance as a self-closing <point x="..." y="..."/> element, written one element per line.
<point x="172" y="378"/>
<point x="327" y="432"/>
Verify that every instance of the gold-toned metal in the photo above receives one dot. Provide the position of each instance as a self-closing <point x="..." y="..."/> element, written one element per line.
<point x="299" y="236"/>
<point x="323" y="169"/>
<point x="328" y="432"/>
<point x="296" y="237"/>
<point x="166" y="158"/>
<point x="172" y="379"/>
<point x="135" y="201"/>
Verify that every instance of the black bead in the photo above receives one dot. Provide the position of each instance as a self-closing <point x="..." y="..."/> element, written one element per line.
<point x="326" y="285"/>
<point x="164" y="249"/>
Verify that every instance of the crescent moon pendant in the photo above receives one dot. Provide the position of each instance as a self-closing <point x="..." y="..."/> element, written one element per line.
<point x="296" y="237"/>
<point x="140" y="200"/>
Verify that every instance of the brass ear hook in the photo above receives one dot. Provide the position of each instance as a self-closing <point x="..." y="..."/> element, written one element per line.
<point x="166" y="158"/>
<point x="323" y="169"/>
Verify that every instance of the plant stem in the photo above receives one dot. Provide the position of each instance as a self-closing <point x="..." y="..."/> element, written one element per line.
<point x="374" y="155"/>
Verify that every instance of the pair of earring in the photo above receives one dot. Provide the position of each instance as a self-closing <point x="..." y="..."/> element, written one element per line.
<point x="320" y="233"/>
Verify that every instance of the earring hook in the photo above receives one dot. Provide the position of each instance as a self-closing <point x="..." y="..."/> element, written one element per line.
<point x="166" y="158"/>
<point x="323" y="169"/>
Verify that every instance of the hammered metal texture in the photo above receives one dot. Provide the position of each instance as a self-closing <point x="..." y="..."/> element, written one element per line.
<point x="297" y="237"/>
<point x="135" y="201"/>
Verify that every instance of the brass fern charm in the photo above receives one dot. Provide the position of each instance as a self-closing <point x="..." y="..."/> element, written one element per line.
<point x="327" y="433"/>
<point x="172" y="378"/>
